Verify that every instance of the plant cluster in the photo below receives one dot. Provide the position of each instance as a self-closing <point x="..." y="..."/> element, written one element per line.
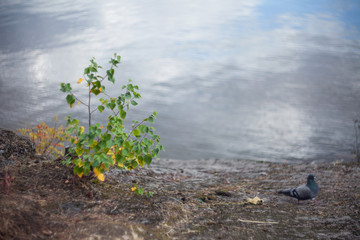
<point x="47" y="140"/>
<point x="96" y="148"/>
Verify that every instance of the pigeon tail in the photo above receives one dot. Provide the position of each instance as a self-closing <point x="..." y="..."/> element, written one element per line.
<point x="286" y="192"/>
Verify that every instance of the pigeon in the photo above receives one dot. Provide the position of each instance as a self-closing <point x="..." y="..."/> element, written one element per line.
<point x="303" y="192"/>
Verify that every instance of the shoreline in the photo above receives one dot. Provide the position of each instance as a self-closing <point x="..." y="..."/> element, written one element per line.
<point x="193" y="199"/>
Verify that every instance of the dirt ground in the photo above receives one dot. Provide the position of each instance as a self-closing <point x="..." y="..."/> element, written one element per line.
<point x="199" y="199"/>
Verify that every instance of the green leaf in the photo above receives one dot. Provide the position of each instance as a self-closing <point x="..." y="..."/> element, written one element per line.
<point x="107" y="137"/>
<point x="134" y="103"/>
<point x="134" y="163"/>
<point x="148" y="159"/>
<point x="137" y="149"/>
<point x="86" y="70"/>
<point x="110" y="74"/>
<point x="156" y="151"/>
<point x="119" y="158"/>
<point x="137" y="95"/>
<point x="65" y="87"/>
<point x="70" y="99"/>
<point x="95" y="91"/>
<point x="151" y="119"/>
<point x="97" y="84"/>
<point x="125" y="152"/>
<point x="112" y="106"/>
<point x="109" y="144"/>
<point x="122" y="114"/>
<point x="139" y="191"/>
<point x="143" y="129"/>
<point x="136" y="132"/>
<point x="101" y="108"/>
<point x="130" y="87"/>
<point x="78" y="170"/>
<point x="128" y="95"/>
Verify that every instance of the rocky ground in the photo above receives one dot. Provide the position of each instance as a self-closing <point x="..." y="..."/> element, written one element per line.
<point x="202" y="199"/>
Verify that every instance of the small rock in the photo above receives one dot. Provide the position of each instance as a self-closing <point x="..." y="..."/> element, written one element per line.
<point x="222" y="193"/>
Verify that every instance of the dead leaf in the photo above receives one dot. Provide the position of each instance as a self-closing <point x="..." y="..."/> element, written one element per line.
<point x="256" y="200"/>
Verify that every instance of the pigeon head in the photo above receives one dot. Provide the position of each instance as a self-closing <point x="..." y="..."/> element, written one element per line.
<point x="310" y="178"/>
<point x="312" y="184"/>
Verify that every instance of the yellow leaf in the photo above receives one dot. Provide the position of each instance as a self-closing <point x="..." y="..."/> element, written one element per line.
<point x="80" y="80"/>
<point x="80" y="174"/>
<point x="133" y="188"/>
<point x="79" y="151"/>
<point x="96" y="172"/>
<point x="80" y="164"/>
<point x="120" y="165"/>
<point x="256" y="200"/>
<point x="94" y="143"/>
<point x="141" y="163"/>
<point x="79" y="103"/>
<point x="101" y="127"/>
<point x="100" y="89"/>
<point x="82" y="129"/>
<point x="101" y="177"/>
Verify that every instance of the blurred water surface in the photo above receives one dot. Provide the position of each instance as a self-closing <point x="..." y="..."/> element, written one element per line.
<point x="264" y="80"/>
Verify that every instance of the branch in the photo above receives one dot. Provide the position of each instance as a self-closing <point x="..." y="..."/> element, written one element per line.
<point x="134" y="129"/>
<point x="78" y="99"/>
<point x="93" y="110"/>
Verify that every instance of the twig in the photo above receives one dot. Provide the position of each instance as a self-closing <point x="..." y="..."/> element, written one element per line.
<point x="78" y="99"/>
<point x="260" y="222"/>
<point x="134" y="129"/>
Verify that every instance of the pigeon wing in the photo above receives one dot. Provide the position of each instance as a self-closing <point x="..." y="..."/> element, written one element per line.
<point x="302" y="192"/>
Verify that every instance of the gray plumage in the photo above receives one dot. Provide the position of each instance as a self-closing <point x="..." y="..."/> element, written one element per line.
<point x="303" y="192"/>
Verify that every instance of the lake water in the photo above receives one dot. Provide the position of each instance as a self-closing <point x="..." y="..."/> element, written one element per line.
<point x="264" y="80"/>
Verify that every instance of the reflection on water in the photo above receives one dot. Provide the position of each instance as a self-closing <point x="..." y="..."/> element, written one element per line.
<point x="232" y="79"/>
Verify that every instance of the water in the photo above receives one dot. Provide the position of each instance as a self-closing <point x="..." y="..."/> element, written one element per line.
<point x="264" y="80"/>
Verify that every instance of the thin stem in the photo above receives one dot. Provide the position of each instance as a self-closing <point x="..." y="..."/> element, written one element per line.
<point x="94" y="110"/>
<point x="143" y="137"/>
<point x="89" y="110"/>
